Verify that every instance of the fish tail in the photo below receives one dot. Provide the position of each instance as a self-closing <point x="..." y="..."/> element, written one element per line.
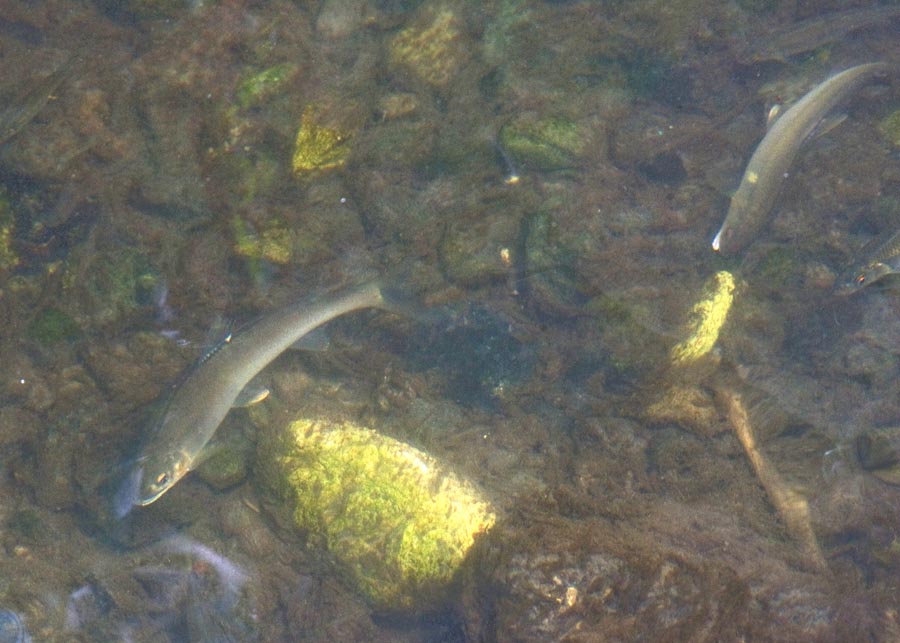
<point x="397" y="299"/>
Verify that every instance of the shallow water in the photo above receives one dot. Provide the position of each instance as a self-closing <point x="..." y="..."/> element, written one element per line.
<point x="546" y="177"/>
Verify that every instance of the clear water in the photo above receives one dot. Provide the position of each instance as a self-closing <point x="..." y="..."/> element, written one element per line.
<point x="546" y="177"/>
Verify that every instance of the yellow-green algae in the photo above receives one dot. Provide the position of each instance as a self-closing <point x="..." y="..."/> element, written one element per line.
<point x="51" y="326"/>
<point x="318" y="147"/>
<point x="8" y="257"/>
<point x="706" y="319"/>
<point x="275" y="243"/>
<point x="432" y="49"/>
<point x="260" y="86"/>
<point x="890" y="127"/>
<point x="398" y="523"/>
<point x="547" y="143"/>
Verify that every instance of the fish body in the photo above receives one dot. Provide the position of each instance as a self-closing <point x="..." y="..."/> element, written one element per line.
<point x="883" y="259"/>
<point x="878" y="453"/>
<point x="29" y="104"/>
<point x="197" y="407"/>
<point x="773" y="158"/>
<point x="813" y="33"/>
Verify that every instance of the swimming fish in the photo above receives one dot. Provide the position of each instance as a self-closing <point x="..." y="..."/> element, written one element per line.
<point x="878" y="453"/>
<point x="806" y="35"/>
<point x="29" y="103"/>
<point x="883" y="259"/>
<point x="197" y="407"/>
<point x="773" y="158"/>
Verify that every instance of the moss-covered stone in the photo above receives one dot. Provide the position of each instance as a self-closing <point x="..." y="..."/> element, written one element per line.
<point x="706" y="319"/>
<point x="9" y="259"/>
<point x="890" y="127"/>
<point x="777" y="268"/>
<point x="550" y="263"/>
<point x="52" y="326"/>
<point x="274" y="243"/>
<point x="145" y="9"/>
<point x="479" y="252"/>
<point x="106" y="286"/>
<point x="398" y="523"/>
<point x="259" y="87"/>
<point x="433" y="48"/>
<point x="225" y="467"/>
<point x="27" y="526"/>
<point x="318" y="147"/>
<point x="545" y="143"/>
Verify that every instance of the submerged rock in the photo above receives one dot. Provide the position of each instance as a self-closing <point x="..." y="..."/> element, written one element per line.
<point x="258" y="87"/>
<point x="9" y="258"/>
<point x="52" y="326"/>
<point x="544" y="142"/>
<point x="706" y="319"/>
<point x="889" y="126"/>
<point x="226" y="466"/>
<point x="318" y="147"/>
<point x="397" y="522"/>
<point x="434" y="48"/>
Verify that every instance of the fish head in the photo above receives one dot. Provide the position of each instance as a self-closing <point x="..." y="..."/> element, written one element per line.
<point x="741" y="222"/>
<point x="160" y="472"/>
<point x="859" y="277"/>
<point x="726" y="241"/>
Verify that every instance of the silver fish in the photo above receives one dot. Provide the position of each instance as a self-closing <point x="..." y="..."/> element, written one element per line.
<point x="881" y="260"/>
<point x="197" y="407"/>
<point x="806" y="35"/>
<point x="773" y="158"/>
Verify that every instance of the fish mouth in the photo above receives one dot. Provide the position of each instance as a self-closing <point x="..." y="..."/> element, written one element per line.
<point x="149" y="500"/>
<point x="128" y="494"/>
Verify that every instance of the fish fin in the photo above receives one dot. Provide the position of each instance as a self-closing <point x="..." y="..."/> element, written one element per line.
<point x="826" y="125"/>
<point x="211" y="448"/>
<point x="253" y="393"/>
<point x="772" y="115"/>
<point x="316" y="340"/>
<point x="402" y="302"/>
<point x="127" y="495"/>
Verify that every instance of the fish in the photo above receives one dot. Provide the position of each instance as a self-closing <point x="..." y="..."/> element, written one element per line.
<point x="813" y="33"/>
<point x="231" y="575"/>
<point x="774" y="156"/>
<point x="197" y="406"/>
<point x="878" y="453"/>
<point x="881" y="260"/>
<point x="29" y="103"/>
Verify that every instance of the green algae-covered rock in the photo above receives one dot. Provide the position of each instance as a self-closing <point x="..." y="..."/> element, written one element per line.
<point x="8" y="257"/>
<point x="317" y="146"/>
<point x="890" y="128"/>
<point x="103" y="286"/>
<point x="260" y="86"/>
<point x="434" y="48"/>
<point x="225" y="467"/>
<point x="397" y="522"/>
<point x="52" y="326"/>
<point x="544" y="143"/>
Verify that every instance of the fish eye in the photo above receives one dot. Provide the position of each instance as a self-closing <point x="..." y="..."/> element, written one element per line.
<point x="860" y="279"/>
<point x="162" y="479"/>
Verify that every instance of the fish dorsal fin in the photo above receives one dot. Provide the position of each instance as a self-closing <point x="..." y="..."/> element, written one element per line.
<point x="826" y="125"/>
<point x="253" y="393"/>
<point x="316" y="340"/>
<point x="772" y="115"/>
